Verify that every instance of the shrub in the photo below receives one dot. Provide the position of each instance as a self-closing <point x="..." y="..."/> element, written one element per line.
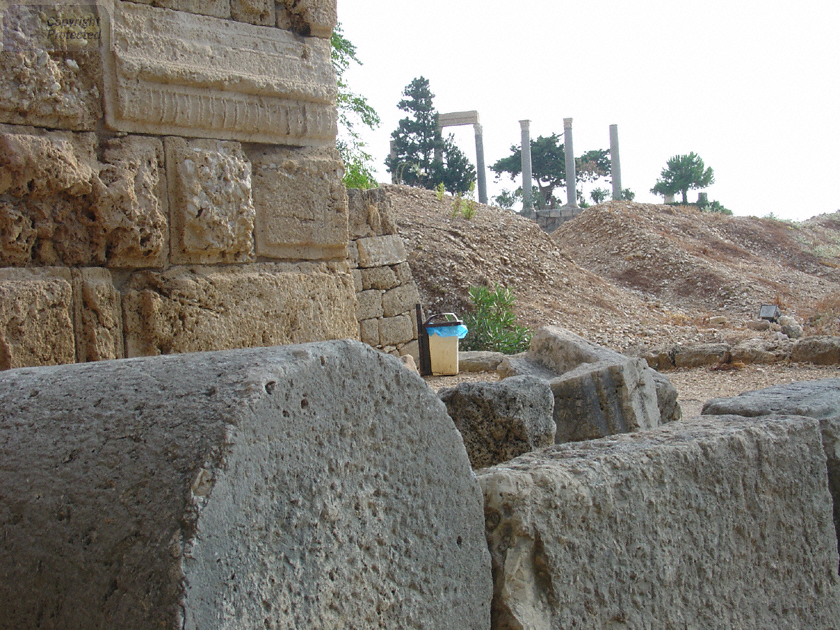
<point x="492" y="324"/>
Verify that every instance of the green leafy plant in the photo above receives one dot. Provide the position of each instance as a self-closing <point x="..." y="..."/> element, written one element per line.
<point x="440" y="191"/>
<point x="599" y="194"/>
<point x="492" y="324"/>
<point x="628" y="195"/>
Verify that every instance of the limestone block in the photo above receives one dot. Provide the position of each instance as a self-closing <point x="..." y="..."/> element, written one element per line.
<point x="378" y="251"/>
<point x="666" y="398"/>
<point x="264" y="85"/>
<point x="307" y="17"/>
<point x="369" y="331"/>
<point x="480" y="361"/>
<point x="97" y="315"/>
<point x="403" y="273"/>
<point x="357" y="279"/>
<point x="36" y="318"/>
<point x="761" y="351"/>
<point x="699" y="355"/>
<point x="210" y="201"/>
<point x="316" y="486"/>
<point x="254" y="11"/>
<point x="132" y="202"/>
<point x="400" y="299"/>
<point x="790" y="327"/>
<point x="205" y="308"/>
<point x="720" y="523"/>
<point x="368" y="304"/>
<point x="301" y="203"/>
<point x="213" y="8"/>
<point x="51" y="76"/>
<point x="395" y="330"/>
<point x="502" y="420"/>
<point x="353" y="254"/>
<point x="378" y="278"/>
<point x="819" y="350"/>
<point x="411" y="348"/>
<point x="369" y="213"/>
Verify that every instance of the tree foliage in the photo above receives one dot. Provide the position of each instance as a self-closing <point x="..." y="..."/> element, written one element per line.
<point x="683" y="173"/>
<point x="353" y="109"/>
<point x="548" y="167"/>
<point x="417" y="140"/>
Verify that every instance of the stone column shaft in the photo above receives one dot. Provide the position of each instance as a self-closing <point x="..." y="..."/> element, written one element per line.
<point x="615" y="163"/>
<point x="526" y="166"/>
<point x="479" y="164"/>
<point x="395" y="166"/>
<point x="571" y="190"/>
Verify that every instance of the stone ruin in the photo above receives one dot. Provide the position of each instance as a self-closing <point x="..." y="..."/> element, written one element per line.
<point x="169" y="183"/>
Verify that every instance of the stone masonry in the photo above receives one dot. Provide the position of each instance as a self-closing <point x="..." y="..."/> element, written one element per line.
<point x="153" y="201"/>
<point x="385" y="291"/>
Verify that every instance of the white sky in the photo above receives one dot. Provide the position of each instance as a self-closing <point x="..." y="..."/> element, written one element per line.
<point x="751" y="86"/>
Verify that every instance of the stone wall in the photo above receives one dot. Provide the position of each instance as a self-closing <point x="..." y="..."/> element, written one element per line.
<point x="386" y="294"/>
<point x="169" y="180"/>
<point x="550" y="219"/>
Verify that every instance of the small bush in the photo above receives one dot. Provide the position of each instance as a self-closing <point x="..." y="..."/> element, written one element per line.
<point x="440" y="191"/>
<point x="492" y="324"/>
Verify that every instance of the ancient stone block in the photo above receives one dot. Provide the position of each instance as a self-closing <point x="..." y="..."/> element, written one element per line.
<point x="254" y="11"/>
<point x="400" y="299"/>
<point x="411" y="348"/>
<point x="316" y="486"/>
<point x="717" y="523"/>
<point x="51" y="75"/>
<point x="263" y="304"/>
<point x="480" y="361"/>
<point x="97" y="315"/>
<point x="357" y="279"/>
<point x="301" y="203"/>
<point x="819" y="350"/>
<point x="369" y="331"/>
<point x="132" y="202"/>
<point x="353" y="254"/>
<point x="502" y="420"/>
<point x="377" y="251"/>
<point x="666" y="398"/>
<point x="210" y="201"/>
<point x="213" y="8"/>
<point x="378" y="278"/>
<point x="698" y="355"/>
<point x="369" y="213"/>
<point x="403" y="273"/>
<point x="368" y="304"/>
<point x="263" y="85"/>
<point x="761" y="350"/>
<point x="307" y="17"/>
<point x="395" y="330"/>
<point x="36" y="318"/>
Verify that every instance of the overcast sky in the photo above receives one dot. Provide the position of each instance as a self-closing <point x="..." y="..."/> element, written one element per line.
<point x="752" y="87"/>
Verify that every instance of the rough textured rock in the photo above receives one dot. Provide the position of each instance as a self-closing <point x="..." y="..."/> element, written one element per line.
<point x="210" y="201"/>
<point x="46" y="79"/>
<point x="761" y="351"/>
<point x="301" y="203"/>
<point x="98" y="315"/>
<point x="206" y="308"/>
<point x="369" y="213"/>
<point x="790" y="327"/>
<point x="36" y="317"/>
<point x="308" y="17"/>
<point x="400" y="299"/>
<point x="479" y="361"/>
<point x="666" y="398"/>
<point x="213" y="8"/>
<point x="265" y="85"/>
<point x="259" y="12"/>
<point x="698" y="355"/>
<point x="720" y="523"/>
<point x="397" y="330"/>
<point x="502" y="420"/>
<point x="819" y="350"/>
<point x="376" y="251"/>
<point x="382" y="278"/>
<point x="597" y="392"/>
<point x="316" y="486"/>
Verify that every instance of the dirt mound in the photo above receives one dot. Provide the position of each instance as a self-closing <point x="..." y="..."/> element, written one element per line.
<point x="622" y="274"/>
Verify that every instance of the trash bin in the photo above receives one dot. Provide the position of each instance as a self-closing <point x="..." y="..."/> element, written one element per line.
<point x="444" y="331"/>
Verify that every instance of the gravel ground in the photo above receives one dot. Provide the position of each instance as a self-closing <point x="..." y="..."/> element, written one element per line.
<point x="696" y="386"/>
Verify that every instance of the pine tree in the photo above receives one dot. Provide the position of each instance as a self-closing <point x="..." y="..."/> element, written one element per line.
<point x="416" y="140"/>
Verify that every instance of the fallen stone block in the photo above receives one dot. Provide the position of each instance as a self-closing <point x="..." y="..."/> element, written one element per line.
<point x="315" y="486"/>
<point x="479" y="361"/>
<point x="501" y="420"/>
<point x="699" y="355"/>
<point x="666" y="398"/>
<point x="761" y="351"/>
<point x="819" y="350"/>
<point x="720" y="523"/>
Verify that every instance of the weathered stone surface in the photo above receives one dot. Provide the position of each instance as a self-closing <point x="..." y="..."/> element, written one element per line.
<point x="301" y="203"/>
<point x="368" y="304"/>
<point x="597" y="391"/>
<point x="369" y="213"/>
<point x="479" y="361"/>
<point x="254" y="11"/>
<point x="213" y="8"/>
<point x="720" y="523"/>
<point x="761" y="351"/>
<point x="369" y="331"/>
<point x="403" y="273"/>
<point x="666" y="398"/>
<point x="210" y="200"/>
<point x="411" y="348"/>
<point x="270" y="488"/>
<point x="394" y="331"/>
<point x="819" y="350"/>
<point x="308" y="17"/>
<point x="377" y="251"/>
<point x="357" y="279"/>
<point x="400" y="299"/>
<point x="263" y="304"/>
<point x="379" y="278"/>
<point x="758" y="324"/>
<point x="36" y="317"/>
<point x="790" y="327"/>
<point x="699" y="355"/>
<point x="502" y="420"/>
<point x="98" y="315"/>
<point x="132" y="202"/>
<point x="51" y="76"/>
<point x="264" y="84"/>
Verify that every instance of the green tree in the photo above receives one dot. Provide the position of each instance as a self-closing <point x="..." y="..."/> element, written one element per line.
<point x="548" y="167"/>
<point x="599" y="194"/>
<point x="683" y="173"/>
<point x="417" y="139"/>
<point x="352" y="110"/>
<point x="628" y="195"/>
